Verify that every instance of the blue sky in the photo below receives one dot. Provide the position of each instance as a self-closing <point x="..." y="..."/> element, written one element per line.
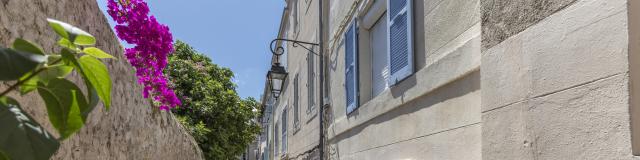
<point x="233" y="33"/>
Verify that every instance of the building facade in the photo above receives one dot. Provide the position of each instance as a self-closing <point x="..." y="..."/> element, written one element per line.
<point x="456" y="79"/>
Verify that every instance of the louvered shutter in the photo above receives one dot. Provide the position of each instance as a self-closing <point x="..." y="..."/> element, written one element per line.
<point x="351" y="66"/>
<point x="311" y="84"/>
<point x="400" y="39"/>
<point x="284" y="130"/>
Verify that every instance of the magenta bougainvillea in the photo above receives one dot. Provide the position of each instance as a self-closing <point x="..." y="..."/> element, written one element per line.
<point x="153" y="43"/>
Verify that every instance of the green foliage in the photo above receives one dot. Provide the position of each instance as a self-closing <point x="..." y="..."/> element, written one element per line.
<point x="71" y="33"/>
<point x="52" y="72"/>
<point x="21" y="136"/>
<point x="219" y="120"/>
<point x="66" y="105"/>
<point x="96" y="73"/>
<point x="97" y="52"/>
<point x="26" y="46"/>
<point x="16" y="63"/>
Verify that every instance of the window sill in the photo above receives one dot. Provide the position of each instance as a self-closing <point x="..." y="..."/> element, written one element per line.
<point x="296" y="128"/>
<point x="312" y="114"/>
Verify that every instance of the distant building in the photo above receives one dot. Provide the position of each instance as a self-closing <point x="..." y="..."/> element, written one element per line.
<point x="457" y="80"/>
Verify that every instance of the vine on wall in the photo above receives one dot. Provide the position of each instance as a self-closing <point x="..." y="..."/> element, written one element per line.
<point x="153" y="43"/>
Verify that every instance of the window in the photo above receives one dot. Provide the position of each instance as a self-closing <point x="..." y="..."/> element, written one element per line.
<point x="295" y="17"/>
<point x="296" y="103"/>
<point x="380" y="58"/>
<point x="311" y="85"/>
<point x="308" y="6"/>
<point x="351" y="67"/>
<point x="400" y="43"/>
<point x="268" y="147"/>
<point x="284" y="130"/>
<point x="387" y="50"/>
<point x="276" y="138"/>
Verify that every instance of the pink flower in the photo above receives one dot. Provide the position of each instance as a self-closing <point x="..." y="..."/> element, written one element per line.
<point x="153" y="43"/>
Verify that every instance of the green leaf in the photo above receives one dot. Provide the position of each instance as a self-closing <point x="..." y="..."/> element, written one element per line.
<point x="65" y="105"/>
<point x="26" y="46"/>
<point x="73" y="34"/>
<point x="97" y="74"/>
<point x="45" y="76"/>
<point x="53" y="58"/>
<point x="93" y="98"/>
<point x="55" y="72"/>
<point x="21" y="136"/>
<point x="69" y="58"/>
<point x="3" y="156"/>
<point x="59" y="27"/>
<point x="67" y="44"/>
<point x="29" y="85"/>
<point x="14" y="64"/>
<point x="96" y="52"/>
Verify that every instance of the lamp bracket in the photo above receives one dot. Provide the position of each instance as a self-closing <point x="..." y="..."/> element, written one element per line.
<point x="279" y="50"/>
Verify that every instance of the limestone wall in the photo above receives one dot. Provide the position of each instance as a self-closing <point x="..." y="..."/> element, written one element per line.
<point x="555" y="86"/>
<point x="131" y="129"/>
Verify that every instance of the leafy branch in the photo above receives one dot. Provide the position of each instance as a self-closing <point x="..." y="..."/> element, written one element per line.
<point x="20" y="82"/>
<point x="67" y="107"/>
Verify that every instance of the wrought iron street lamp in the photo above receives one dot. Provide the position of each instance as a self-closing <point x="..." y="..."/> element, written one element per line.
<point x="277" y="75"/>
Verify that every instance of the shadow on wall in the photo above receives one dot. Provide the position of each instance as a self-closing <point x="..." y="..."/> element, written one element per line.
<point x="458" y="88"/>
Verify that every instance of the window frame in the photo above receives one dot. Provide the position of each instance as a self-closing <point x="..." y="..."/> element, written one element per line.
<point x="296" y="103"/>
<point x="311" y="82"/>
<point x="372" y="17"/>
<point x="368" y="17"/>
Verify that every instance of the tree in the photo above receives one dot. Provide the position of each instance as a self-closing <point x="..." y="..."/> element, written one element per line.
<point x="220" y="121"/>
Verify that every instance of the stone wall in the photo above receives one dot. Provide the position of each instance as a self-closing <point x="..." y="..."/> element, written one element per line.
<point x="555" y="85"/>
<point x="131" y="129"/>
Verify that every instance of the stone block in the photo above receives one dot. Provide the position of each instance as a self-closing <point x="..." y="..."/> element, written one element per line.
<point x="506" y="74"/>
<point x="590" y="121"/>
<point x="504" y="135"/>
<point x="447" y="21"/>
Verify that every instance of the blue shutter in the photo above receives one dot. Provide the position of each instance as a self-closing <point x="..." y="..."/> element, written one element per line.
<point x="400" y="39"/>
<point x="351" y="67"/>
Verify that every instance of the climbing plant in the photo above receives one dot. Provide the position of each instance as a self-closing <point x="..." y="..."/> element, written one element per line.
<point x="153" y="43"/>
<point x="68" y="106"/>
